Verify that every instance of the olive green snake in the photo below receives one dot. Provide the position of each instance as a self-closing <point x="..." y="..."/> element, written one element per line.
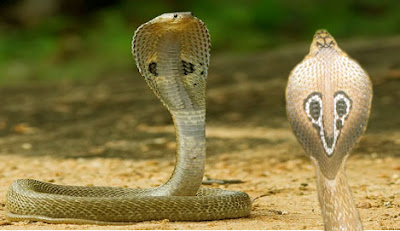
<point x="328" y="101"/>
<point x="172" y="53"/>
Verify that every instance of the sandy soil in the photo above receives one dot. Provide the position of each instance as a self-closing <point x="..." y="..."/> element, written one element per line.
<point x="114" y="132"/>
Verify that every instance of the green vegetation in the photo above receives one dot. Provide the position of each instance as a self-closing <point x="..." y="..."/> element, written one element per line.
<point x="97" y="42"/>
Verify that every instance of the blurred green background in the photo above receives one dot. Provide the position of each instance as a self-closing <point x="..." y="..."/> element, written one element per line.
<point x="44" y="40"/>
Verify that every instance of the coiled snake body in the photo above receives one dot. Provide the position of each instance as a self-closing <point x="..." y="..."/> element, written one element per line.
<point x="328" y="100"/>
<point x="172" y="53"/>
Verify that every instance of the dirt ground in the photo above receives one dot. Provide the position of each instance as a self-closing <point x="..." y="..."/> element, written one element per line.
<point x="114" y="132"/>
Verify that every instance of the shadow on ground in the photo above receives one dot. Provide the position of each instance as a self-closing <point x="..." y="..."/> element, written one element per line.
<point x="108" y="117"/>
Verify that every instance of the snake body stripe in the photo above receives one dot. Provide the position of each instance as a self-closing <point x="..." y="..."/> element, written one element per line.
<point x="328" y="100"/>
<point x="172" y="53"/>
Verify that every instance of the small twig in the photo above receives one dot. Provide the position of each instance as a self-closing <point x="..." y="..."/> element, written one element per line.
<point x="210" y="181"/>
<point x="256" y="198"/>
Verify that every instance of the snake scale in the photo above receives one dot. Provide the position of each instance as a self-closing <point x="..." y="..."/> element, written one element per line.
<point x="172" y="53"/>
<point x="328" y="101"/>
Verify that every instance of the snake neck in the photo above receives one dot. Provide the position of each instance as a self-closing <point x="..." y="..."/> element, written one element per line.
<point x="190" y="155"/>
<point x="338" y="209"/>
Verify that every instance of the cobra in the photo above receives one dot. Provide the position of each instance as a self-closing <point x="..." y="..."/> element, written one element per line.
<point x="172" y="53"/>
<point x="328" y="101"/>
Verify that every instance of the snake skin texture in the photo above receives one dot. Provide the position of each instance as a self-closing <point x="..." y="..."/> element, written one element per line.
<point x="172" y="53"/>
<point x="328" y="100"/>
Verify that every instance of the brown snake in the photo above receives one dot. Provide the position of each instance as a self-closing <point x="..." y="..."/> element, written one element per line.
<point x="172" y="53"/>
<point x="328" y="100"/>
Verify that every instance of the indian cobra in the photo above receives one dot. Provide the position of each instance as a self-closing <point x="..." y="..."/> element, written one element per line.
<point x="328" y="100"/>
<point x="172" y="53"/>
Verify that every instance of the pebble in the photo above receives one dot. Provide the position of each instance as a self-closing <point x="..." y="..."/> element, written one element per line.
<point x="26" y="146"/>
<point x="23" y="128"/>
<point x="165" y="221"/>
<point x="365" y="205"/>
<point x="388" y="204"/>
<point x="171" y="145"/>
<point x="279" y="212"/>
